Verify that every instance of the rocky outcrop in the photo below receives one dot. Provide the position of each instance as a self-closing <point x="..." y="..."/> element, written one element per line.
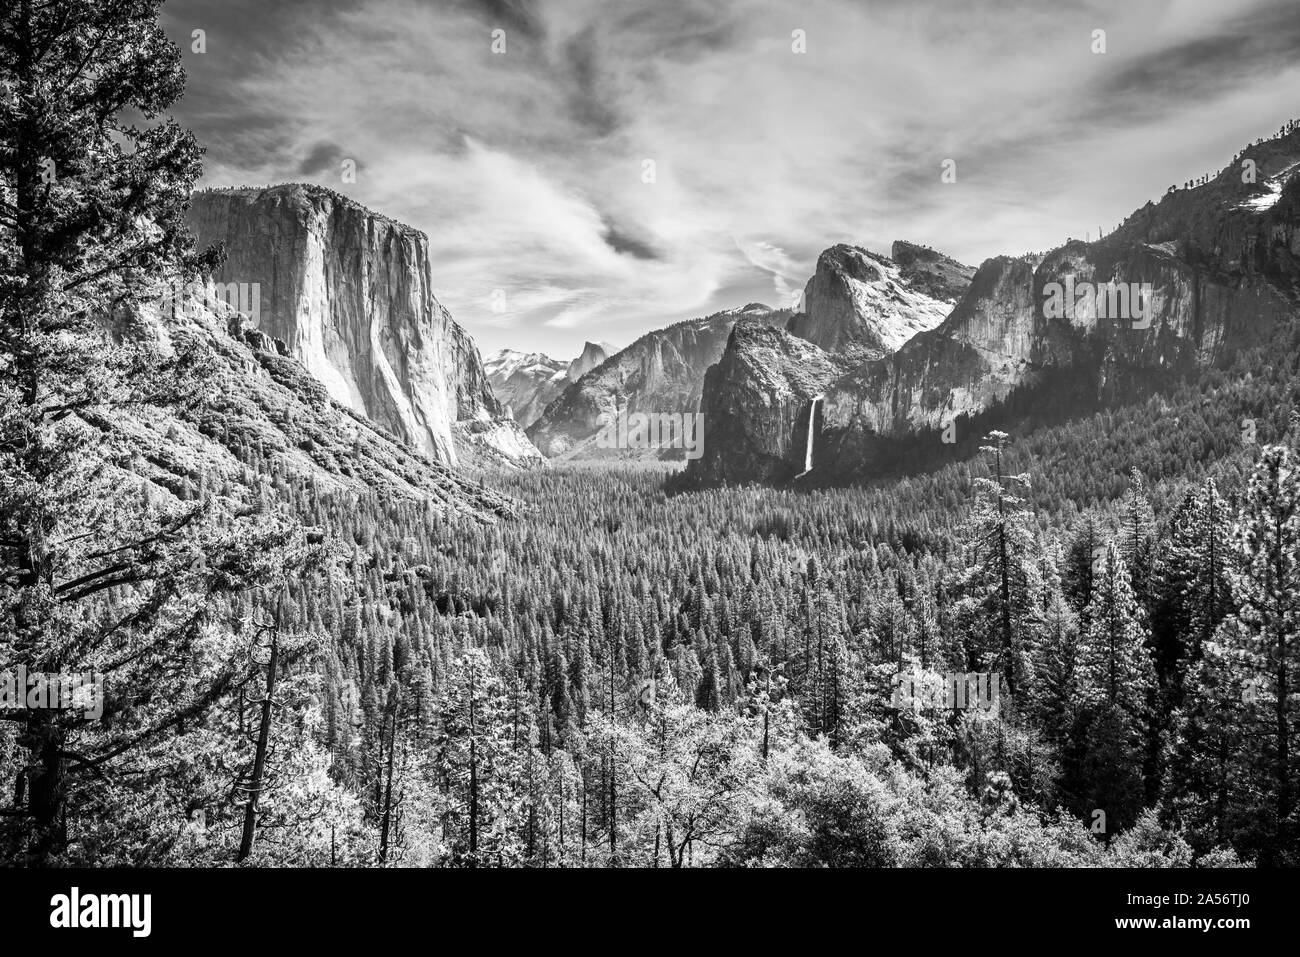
<point x="349" y="292"/>
<point x="526" y="382"/>
<point x="1002" y="337"/>
<point x="592" y="355"/>
<point x="863" y="306"/>
<point x="758" y="404"/>
<point x="976" y="357"/>
<point x="1182" y="285"/>
<point x="770" y="388"/>
<point x="262" y="412"/>
<point x="661" y="372"/>
<point x="930" y="272"/>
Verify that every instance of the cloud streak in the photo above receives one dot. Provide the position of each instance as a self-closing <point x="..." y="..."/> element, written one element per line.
<point x="527" y="168"/>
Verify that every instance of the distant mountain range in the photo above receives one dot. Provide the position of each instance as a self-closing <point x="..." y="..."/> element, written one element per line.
<point x="1181" y="285"/>
<point x="527" y="381"/>
<point x="858" y="305"/>
<point x="661" y="372"/>
<point x="885" y="352"/>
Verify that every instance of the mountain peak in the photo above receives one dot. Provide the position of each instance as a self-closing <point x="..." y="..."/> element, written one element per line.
<point x="660" y="372"/>
<point x="299" y="193"/>
<point x="866" y="305"/>
<point x="331" y="279"/>
<point x="592" y="355"/>
<point x="930" y="271"/>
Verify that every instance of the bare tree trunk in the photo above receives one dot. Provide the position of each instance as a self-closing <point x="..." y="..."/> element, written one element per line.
<point x="259" y="759"/>
<point x="584" y="814"/>
<point x="386" y="825"/>
<point x="473" y="771"/>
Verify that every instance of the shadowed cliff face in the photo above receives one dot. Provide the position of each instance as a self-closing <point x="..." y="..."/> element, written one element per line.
<point x="1217" y="266"/>
<point x="661" y="372"/>
<point x="593" y="354"/>
<point x="349" y="292"/>
<point x="757" y="405"/>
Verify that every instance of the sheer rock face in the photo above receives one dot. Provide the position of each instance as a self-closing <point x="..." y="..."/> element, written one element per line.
<point x="593" y="354"/>
<point x="758" y="401"/>
<point x="976" y="357"/>
<point x="349" y="292"/>
<point x="757" y="405"/>
<point x="1218" y="267"/>
<point x="1002" y="337"/>
<point x="260" y="409"/>
<point x="661" y="372"/>
<point x="865" y="306"/>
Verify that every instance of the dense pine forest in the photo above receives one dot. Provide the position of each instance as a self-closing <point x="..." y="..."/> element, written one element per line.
<point x="618" y="676"/>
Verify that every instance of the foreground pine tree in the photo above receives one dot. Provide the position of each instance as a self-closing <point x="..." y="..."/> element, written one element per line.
<point x="1262" y="640"/>
<point x="99" y="572"/>
<point x="1195" y="585"/>
<point x="1116" y="680"/>
<point x="1002" y="580"/>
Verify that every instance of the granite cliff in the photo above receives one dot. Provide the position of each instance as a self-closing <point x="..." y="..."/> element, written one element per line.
<point x="1208" y="271"/>
<point x="259" y="412"/>
<point x="661" y="372"/>
<point x="350" y="293"/>
<point x="864" y="306"/>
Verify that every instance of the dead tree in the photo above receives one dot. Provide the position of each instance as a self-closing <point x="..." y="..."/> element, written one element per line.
<point x="259" y="780"/>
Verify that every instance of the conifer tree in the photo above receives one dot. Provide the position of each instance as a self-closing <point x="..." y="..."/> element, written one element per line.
<point x="474" y="759"/>
<point x="1265" y="628"/>
<point x="1114" y="662"/>
<point x="1211" y="781"/>
<point x="1002" y="580"/>
<point x="1081" y="559"/>
<point x="1116" y="680"/>
<point x="1194" y="582"/>
<point x="93" y="184"/>
<point x="1137" y="542"/>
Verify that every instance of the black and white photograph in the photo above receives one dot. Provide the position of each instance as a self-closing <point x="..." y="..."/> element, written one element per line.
<point x="467" y="437"/>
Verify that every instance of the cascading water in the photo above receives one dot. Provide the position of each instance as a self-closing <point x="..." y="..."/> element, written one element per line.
<point x="812" y="433"/>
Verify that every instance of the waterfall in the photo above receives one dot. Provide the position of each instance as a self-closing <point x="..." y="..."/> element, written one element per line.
<point x="812" y="432"/>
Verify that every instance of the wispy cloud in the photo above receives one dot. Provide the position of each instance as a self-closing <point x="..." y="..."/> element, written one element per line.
<point x="772" y="259"/>
<point x="528" y="168"/>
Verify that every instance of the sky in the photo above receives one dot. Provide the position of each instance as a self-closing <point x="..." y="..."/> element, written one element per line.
<point x="595" y="169"/>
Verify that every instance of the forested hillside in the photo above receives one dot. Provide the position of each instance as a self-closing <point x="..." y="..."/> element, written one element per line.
<point x="481" y="694"/>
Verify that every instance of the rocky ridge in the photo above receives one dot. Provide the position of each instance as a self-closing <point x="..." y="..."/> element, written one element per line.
<point x="260" y="412"/>
<point x="661" y="372"/>
<point x="1217" y="265"/>
<point x="350" y="293"/>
